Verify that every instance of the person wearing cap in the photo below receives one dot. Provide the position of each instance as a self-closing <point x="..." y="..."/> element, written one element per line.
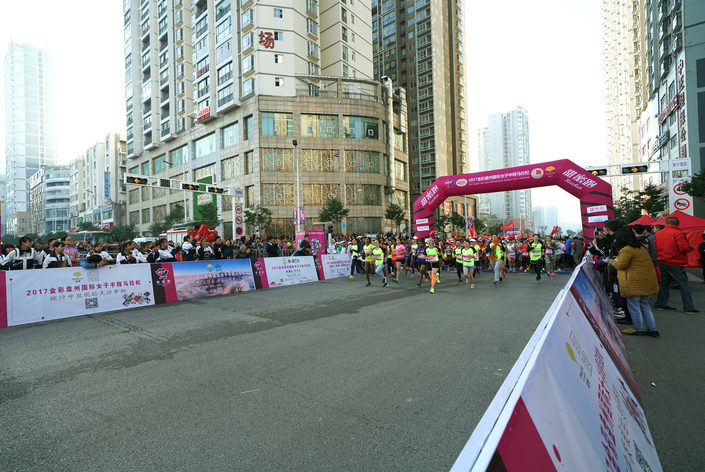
<point x="673" y="247"/>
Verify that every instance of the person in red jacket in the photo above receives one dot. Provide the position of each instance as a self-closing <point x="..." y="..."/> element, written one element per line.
<point x="673" y="247"/>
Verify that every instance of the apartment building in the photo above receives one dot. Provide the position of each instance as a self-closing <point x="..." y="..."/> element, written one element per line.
<point x="505" y="143"/>
<point x="224" y="88"/>
<point x="49" y="200"/>
<point x="420" y="45"/>
<point x="98" y="192"/>
<point x="30" y="127"/>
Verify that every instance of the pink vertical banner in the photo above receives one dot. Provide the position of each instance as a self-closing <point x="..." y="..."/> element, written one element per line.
<point x="319" y="267"/>
<point x="3" y="298"/>
<point x="260" y="273"/>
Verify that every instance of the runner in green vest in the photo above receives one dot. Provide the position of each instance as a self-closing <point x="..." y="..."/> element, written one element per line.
<point x="536" y="255"/>
<point x="380" y="268"/>
<point x="458" y="251"/>
<point x="369" y="259"/>
<point x="468" y="260"/>
<point x="433" y="254"/>
<point x="414" y="250"/>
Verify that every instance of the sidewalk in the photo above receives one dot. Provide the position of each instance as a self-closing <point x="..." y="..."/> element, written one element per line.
<point x="674" y="364"/>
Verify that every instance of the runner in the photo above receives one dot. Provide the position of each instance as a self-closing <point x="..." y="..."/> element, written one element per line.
<point x="354" y="251"/>
<point x="413" y="253"/>
<point x="512" y="254"/>
<point x="524" y="248"/>
<point x="494" y="254"/>
<point x="378" y="254"/>
<point x="536" y="254"/>
<point x="421" y="261"/>
<point x="550" y="251"/>
<point x="459" y="267"/>
<point x="478" y="255"/>
<point x="400" y="249"/>
<point x="391" y="257"/>
<point x="369" y="259"/>
<point x="433" y="253"/>
<point x="468" y="259"/>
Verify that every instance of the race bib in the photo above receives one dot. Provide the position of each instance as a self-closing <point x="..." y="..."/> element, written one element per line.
<point x="549" y="251"/>
<point x="525" y="253"/>
<point x="535" y="253"/>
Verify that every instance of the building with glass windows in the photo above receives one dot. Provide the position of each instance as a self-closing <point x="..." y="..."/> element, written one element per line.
<point x="49" y="200"/>
<point x="218" y="104"/>
<point x="419" y="45"/>
<point x="98" y="191"/>
<point x="30" y="124"/>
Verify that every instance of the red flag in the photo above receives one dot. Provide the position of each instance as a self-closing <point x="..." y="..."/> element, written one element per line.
<point x="555" y="230"/>
<point x="473" y="233"/>
<point x="508" y="225"/>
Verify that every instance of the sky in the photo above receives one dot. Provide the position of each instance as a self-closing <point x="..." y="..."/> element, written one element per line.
<point x="546" y="60"/>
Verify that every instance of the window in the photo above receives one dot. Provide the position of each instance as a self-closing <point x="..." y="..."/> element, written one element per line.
<point x="277" y="124"/>
<point x="278" y="13"/>
<point x="249" y="164"/>
<point x="319" y="126"/>
<point x="225" y="95"/>
<point x="313" y="49"/>
<point x="134" y="170"/>
<point x="178" y="156"/>
<point x="352" y="37"/>
<point x="159" y="164"/>
<point x="222" y="52"/>
<point x="345" y="53"/>
<point x="346" y="71"/>
<point x="225" y="73"/>
<point x="278" y="36"/>
<point x="344" y="15"/>
<point x="222" y="30"/>
<point x="314" y="69"/>
<point x="356" y="127"/>
<point x="279" y="81"/>
<point x="311" y="27"/>
<point x="204" y="146"/>
<point x="145" y="168"/>
<point x="345" y="34"/>
<point x="279" y="58"/>
<point x="230" y="135"/>
<point x="248" y="131"/>
<point x="248" y="63"/>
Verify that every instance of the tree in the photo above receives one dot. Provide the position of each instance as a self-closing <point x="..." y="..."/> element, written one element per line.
<point x="494" y="228"/>
<point x="695" y="187"/>
<point x="9" y="239"/>
<point x="87" y="226"/>
<point x="456" y="220"/>
<point x="259" y="217"/>
<point x="395" y="213"/>
<point x="124" y="232"/>
<point x="627" y="207"/>
<point x="652" y="199"/>
<point x="333" y="211"/>
<point x="441" y="222"/>
<point x="209" y="216"/>
<point x="479" y="224"/>
<point x="160" y="226"/>
<point x="570" y="232"/>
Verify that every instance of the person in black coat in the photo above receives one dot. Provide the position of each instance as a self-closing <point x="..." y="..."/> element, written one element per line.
<point x="272" y="247"/>
<point x="228" y="249"/>
<point x="218" y="247"/>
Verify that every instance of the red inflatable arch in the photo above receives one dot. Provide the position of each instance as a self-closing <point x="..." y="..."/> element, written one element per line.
<point x="595" y="194"/>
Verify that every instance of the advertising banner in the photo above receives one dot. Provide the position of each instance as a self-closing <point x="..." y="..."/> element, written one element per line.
<point x="199" y="279"/>
<point x="317" y="239"/>
<point x="280" y="271"/>
<point x="51" y="294"/>
<point x="335" y="265"/>
<point x="570" y="402"/>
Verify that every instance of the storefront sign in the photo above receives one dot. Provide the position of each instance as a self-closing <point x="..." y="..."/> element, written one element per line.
<point x="203" y="114"/>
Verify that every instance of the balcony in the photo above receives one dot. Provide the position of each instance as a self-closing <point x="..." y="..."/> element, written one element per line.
<point x="677" y="42"/>
<point x="222" y="12"/>
<point x="144" y="14"/>
<point x="144" y="32"/>
<point x="203" y="91"/>
<point x="312" y="8"/>
<point x="677" y="23"/>
<point x="224" y="100"/>
<point x="166" y="131"/>
<point x="147" y="127"/>
<point x="248" y="20"/>
<point x="200" y="11"/>
<point x="163" y="63"/>
<point x="201" y="31"/>
<point x="202" y="70"/>
<point x="149" y="143"/>
<point x="245" y="4"/>
<point x="163" y="82"/>
<point x="223" y="79"/>
<point x="146" y="62"/>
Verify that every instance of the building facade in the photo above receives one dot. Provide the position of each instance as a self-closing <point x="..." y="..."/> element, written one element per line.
<point x="49" y="200"/>
<point x="234" y="123"/>
<point x="420" y="46"/>
<point x="505" y="143"/>
<point x="30" y="127"/>
<point x="98" y="190"/>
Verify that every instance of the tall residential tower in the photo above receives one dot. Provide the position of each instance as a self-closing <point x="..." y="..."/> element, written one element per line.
<point x="30" y="127"/>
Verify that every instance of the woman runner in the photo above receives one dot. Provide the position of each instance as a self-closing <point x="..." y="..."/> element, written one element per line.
<point x="433" y="254"/>
<point x="468" y="261"/>
<point x="421" y="261"/>
<point x="400" y="249"/>
<point x="459" y="268"/>
<point x="550" y="251"/>
<point x="380" y="269"/>
<point x="369" y="259"/>
<point x="536" y="254"/>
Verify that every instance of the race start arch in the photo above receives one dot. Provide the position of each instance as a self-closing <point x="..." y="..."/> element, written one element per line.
<point x="594" y="193"/>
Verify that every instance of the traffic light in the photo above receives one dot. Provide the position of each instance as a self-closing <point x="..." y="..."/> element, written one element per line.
<point x="166" y="183"/>
<point x="635" y="169"/>
<point x="599" y="172"/>
<point x="211" y="189"/>
<point x="136" y="179"/>
<point x="185" y="186"/>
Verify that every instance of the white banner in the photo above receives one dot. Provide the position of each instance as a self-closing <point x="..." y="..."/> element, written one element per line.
<point x="50" y="294"/>
<point x="335" y="265"/>
<point x="596" y="209"/>
<point x="597" y="219"/>
<point x="280" y="271"/>
<point x="422" y="221"/>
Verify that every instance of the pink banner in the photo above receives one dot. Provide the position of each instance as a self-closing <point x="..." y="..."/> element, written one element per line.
<point x="591" y="191"/>
<point x="3" y="306"/>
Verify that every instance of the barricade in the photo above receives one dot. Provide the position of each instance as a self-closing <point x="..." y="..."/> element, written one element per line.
<point x="35" y="296"/>
<point x="570" y="402"/>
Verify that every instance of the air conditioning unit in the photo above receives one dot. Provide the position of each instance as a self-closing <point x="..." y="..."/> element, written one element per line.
<point x="351" y="132"/>
<point x="329" y="130"/>
<point x="277" y="128"/>
<point x="310" y="130"/>
<point x="370" y="132"/>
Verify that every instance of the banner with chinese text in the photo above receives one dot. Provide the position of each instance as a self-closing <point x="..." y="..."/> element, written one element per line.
<point x="199" y="279"/>
<point x="335" y="265"/>
<point x="280" y="271"/>
<point x="50" y="294"/>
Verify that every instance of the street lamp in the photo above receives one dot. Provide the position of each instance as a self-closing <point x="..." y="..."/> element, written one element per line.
<point x="296" y="157"/>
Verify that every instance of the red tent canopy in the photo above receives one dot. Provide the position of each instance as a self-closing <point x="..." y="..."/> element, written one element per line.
<point x="687" y="222"/>
<point x="644" y="220"/>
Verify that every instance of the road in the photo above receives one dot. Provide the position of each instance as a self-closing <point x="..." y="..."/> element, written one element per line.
<point x="324" y="376"/>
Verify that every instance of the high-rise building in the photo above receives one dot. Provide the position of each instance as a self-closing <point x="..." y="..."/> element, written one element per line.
<point x="211" y="102"/>
<point x="98" y="191"/>
<point x="30" y="126"/>
<point x="49" y="200"/>
<point x="419" y="44"/>
<point x="545" y="219"/>
<point x="505" y="143"/>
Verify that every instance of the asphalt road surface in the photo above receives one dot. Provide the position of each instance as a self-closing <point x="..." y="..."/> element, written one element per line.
<point x="328" y="376"/>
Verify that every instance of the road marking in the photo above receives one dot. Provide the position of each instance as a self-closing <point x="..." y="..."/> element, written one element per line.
<point x="250" y="391"/>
